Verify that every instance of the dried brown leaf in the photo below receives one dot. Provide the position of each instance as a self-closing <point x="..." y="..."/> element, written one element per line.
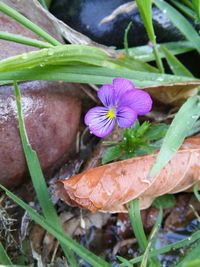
<point x="109" y="187"/>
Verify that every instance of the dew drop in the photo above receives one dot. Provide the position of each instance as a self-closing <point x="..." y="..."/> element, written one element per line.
<point x="50" y="52"/>
<point x="195" y="117"/>
<point x="24" y="56"/>
<point x="160" y="79"/>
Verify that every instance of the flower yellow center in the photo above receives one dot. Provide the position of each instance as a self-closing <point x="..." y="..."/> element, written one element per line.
<point x="111" y="113"/>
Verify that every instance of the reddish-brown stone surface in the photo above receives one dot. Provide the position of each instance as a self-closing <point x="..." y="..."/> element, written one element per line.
<point x="51" y="110"/>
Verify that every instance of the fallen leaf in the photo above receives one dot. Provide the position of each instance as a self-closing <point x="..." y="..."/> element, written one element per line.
<point x="109" y="187"/>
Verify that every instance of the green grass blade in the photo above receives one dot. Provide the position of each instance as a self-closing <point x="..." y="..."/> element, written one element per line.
<point x="136" y="223"/>
<point x="23" y="40"/>
<point x="194" y="254"/>
<point x="125" y="262"/>
<point x="63" y="238"/>
<point x="178" y="130"/>
<point x="95" y="75"/>
<point x="184" y="9"/>
<point x="196" y="192"/>
<point x="59" y="55"/>
<point x="177" y="245"/>
<point x="4" y="258"/>
<point x="180" y="22"/>
<point x="152" y="240"/>
<point x="37" y="176"/>
<point x="175" y="65"/>
<point x="145" y="8"/>
<point x="145" y="53"/>
<point x="126" y="37"/>
<point x="27" y="23"/>
<point x="196" y="5"/>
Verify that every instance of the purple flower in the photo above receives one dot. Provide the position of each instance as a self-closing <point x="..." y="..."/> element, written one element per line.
<point x="122" y="104"/>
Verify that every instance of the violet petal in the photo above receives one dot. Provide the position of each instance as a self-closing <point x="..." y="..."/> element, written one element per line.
<point x="126" y="116"/>
<point x="138" y="100"/>
<point x="98" y="122"/>
<point x="106" y="95"/>
<point x="122" y="86"/>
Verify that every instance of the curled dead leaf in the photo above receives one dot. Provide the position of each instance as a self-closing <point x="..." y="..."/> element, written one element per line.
<point x="109" y="187"/>
<point x="174" y="93"/>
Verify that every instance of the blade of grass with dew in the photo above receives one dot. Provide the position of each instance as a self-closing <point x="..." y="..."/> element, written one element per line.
<point x="58" y="55"/>
<point x="38" y="178"/>
<point x="95" y="75"/>
<point x="23" y="40"/>
<point x="126" y="37"/>
<point x="175" y="65"/>
<point x="176" y="245"/>
<point x="151" y="242"/>
<point x="184" y="9"/>
<point x="145" y="9"/>
<point x="70" y="54"/>
<point x="81" y="251"/>
<point x="4" y="258"/>
<point x="178" y="130"/>
<point x="191" y="255"/>
<point x="27" y="23"/>
<point x="180" y="22"/>
<point x="145" y="53"/>
<point x="136" y="223"/>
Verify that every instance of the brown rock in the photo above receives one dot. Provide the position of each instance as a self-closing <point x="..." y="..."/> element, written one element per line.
<point x="51" y="112"/>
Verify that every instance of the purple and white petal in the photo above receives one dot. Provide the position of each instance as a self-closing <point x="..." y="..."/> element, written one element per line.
<point x="98" y="122"/>
<point x="126" y="117"/>
<point x="138" y="100"/>
<point x="106" y="95"/>
<point x="121" y="86"/>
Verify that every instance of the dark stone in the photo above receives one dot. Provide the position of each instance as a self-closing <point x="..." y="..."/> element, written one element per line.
<point x="85" y="16"/>
<point x="51" y="110"/>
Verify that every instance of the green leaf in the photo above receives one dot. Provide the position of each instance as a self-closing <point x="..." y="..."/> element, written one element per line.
<point x="4" y="258"/>
<point x="175" y="65"/>
<point x="164" y="202"/>
<point x="57" y="233"/>
<point x="111" y="154"/>
<point x="180" y="22"/>
<point x="156" y="131"/>
<point x="178" y="130"/>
